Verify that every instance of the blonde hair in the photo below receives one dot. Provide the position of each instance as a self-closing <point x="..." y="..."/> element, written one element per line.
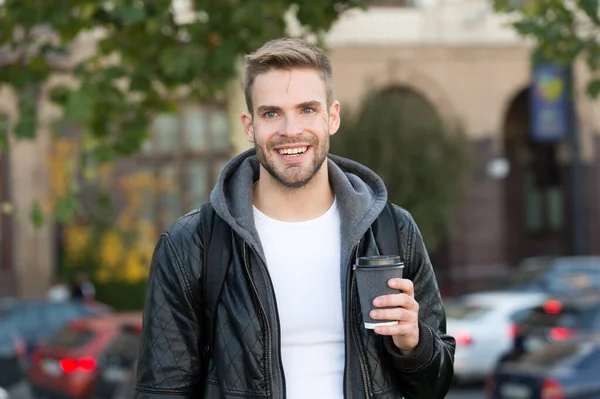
<point x="286" y="53"/>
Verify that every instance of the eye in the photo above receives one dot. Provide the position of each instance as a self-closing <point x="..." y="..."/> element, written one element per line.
<point x="270" y="114"/>
<point x="307" y="110"/>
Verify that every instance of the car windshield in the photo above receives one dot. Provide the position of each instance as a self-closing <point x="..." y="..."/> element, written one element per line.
<point x="575" y="274"/>
<point x="572" y="352"/>
<point x="465" y="310"/>
<point x="527" y="273"/>
<point x="571" y="317"/>
<point x="69" y="337"/>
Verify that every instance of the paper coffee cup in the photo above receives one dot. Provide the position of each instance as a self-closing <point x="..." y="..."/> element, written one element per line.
<point x="372" y="276"/>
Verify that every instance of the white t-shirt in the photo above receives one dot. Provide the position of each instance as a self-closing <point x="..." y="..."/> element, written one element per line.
<point x="303" y="259"/>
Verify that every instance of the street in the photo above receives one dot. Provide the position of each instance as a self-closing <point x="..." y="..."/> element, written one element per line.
<point x="466" y="393"/>
<point x="22" y="392"/>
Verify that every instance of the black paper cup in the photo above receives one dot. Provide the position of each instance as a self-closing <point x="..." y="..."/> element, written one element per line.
<point x="372" y="276"/>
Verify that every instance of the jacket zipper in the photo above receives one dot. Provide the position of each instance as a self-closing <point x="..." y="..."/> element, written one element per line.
<point x="262" y="307"/>
<point x="353" y="326"/>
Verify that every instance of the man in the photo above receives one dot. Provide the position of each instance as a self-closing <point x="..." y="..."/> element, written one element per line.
<point x="287" y="324"/>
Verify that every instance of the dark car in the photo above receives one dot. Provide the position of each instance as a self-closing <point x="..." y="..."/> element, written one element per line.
<point x="126" y="388"/>
<point x="556" y="320"/>
<point x="87" y="358"/>
<point x="560" y="276"/>
<point x="561" y="370"/>
<point x="117" y="364"/>
<point x="12" y="357"/>
<point x="36" y="320"/>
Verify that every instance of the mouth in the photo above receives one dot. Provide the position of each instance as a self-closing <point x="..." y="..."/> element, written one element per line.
<point x="292" y="152"/>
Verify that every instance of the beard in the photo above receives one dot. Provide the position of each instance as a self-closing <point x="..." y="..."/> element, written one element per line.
<point x="295" y="176"/>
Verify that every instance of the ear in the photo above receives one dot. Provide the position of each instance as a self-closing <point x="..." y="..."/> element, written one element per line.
<point x="246" y="119"/>
<point x="334" y="118"/>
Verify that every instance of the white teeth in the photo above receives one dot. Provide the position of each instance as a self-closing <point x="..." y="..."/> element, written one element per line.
<point x="293" y="151"/>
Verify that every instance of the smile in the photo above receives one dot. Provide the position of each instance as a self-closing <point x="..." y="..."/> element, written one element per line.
<point x="292" y="152"/>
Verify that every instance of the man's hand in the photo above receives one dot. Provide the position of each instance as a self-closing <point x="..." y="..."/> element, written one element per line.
<point x="404" y="309"/>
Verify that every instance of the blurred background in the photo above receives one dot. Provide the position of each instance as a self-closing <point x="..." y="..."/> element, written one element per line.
<point x="482" y="117"/>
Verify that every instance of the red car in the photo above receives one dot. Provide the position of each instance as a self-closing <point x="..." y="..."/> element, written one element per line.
<point x="69" y="365"/>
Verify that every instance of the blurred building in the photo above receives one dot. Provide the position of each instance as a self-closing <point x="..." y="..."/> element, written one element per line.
<point x="456" y="54"/>
<point x="474" y="70"/>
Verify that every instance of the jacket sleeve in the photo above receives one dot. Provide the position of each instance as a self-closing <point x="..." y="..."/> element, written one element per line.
<point x="169" y="363"/>
<point x="427" y="372"/>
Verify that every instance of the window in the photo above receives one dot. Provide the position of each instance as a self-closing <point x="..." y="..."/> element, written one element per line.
<point x="543" y="189"/>
<point x="572" y="275"/>
<point x="69" y="337"/>
<point x="465" y="311"/>
<point x="185" y="153"/>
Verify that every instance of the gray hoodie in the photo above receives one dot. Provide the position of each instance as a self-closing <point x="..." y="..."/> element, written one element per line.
<point x="361" y="195"/>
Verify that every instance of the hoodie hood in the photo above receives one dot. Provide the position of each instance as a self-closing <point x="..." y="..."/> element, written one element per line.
<point x="360" y="193"/>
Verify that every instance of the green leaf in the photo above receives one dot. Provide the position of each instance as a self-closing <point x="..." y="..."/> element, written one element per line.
<point x="591" y="8"/>
<point x="26" y="127"/>
<point x="37" y="215"/>
<point x="80" y="104"/>
<point x="60" y="95"/>
<point x="4" y="130"/>
<point x="67" y="208"/>
<point x="104" y="154"/>
<point x="114" y="72"/>
<point x="593" y="88"/>
<point x="130" y="14"/>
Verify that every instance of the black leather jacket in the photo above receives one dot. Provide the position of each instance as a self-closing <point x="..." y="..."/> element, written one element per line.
<point x="246" y="359"/>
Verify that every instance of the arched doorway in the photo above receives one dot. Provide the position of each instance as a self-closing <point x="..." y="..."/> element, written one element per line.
<point x="535" y="189"/>
<point x="397" y="132"/>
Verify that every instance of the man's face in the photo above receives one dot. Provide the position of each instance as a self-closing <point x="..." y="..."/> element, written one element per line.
<point x="291" y="125"/>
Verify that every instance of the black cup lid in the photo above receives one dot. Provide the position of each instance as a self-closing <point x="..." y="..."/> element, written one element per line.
<point x="381" y="260"/>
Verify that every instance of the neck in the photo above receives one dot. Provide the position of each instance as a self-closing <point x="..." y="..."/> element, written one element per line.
<point x="293" y="204"/>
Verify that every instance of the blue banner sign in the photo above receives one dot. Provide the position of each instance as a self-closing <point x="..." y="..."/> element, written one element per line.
<point x="549" y="100"/>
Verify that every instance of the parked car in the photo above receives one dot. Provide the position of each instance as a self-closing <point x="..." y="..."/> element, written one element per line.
<point x="557" y="319"/>
<point x="117" y="364"/>
<point x="36" y="320"/>
<point x="481" y="325"/>
<point x="82" y="353"/>
<point x="566" y="275"/>
<point x="559" y="370"/>
<point x="126" y="388"/>
<point x="12" y="357"/>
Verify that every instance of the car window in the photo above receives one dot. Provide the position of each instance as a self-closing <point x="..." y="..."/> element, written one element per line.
<point x="462" y="310"/>
<point x="584" y="319"/>
<point x="541" y="318"/>
<point x="568" y="353"/>
<point x="7" y="340"/>
<point x="575" y="274"/>
<point x="27" y="318"/>
<point x="519" y="315"/>
<point x="69" y="337"/>
<point x="581" y="319"/>
<point x="596" y="324"/>
<point x="63" y="312"/>
<point x="522" y="277"/>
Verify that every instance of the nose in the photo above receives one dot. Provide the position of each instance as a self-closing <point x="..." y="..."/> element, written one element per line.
<point x="292" y="126"/>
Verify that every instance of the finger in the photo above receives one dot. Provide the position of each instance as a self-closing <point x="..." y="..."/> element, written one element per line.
<point x="396" y="300"/>
<point x="400" y="330"/>
<point x="402" y="284"/>
<point x="397" y="314"/>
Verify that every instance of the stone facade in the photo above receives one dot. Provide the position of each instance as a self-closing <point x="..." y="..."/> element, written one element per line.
<point x="457" y="55"/>
<point x="472" y="76"/>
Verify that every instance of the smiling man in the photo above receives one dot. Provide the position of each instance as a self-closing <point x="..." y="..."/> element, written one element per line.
<point x="285" y="223"/>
